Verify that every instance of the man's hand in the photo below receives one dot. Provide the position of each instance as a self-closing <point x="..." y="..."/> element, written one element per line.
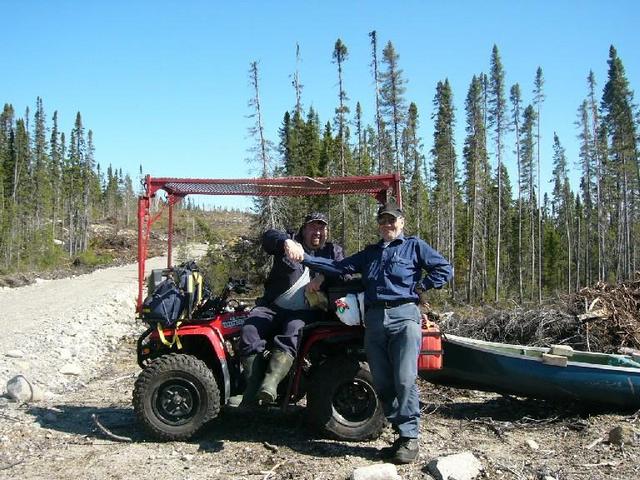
<point x="293" y="250"/>
<point x="315" y="284"/>
<point x="423" y="298"/>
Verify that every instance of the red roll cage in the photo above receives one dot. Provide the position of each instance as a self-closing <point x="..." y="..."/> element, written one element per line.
<point x="380" y="186"/>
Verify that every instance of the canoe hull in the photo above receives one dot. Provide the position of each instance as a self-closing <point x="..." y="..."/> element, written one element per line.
<point x="476" y="367"/>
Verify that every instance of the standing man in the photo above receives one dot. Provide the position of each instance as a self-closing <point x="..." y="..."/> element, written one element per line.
<point x="392" y="275"/>
<point x="282" y="311"/>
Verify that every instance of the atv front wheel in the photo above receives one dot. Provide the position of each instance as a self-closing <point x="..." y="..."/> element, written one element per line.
<point x="342" y="402"/>
<point x="175" y="395"/>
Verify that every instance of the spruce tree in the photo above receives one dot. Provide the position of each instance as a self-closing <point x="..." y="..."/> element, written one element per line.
<point x="528" y="183"/>
<point x="376" y="81"/>
<point x="617" y="108"/>
<point x="498" y="122"/>
<point x="42" y="185"/>
<point x="445" y="172"/>
<point x="267" y="217"/>
<point x="417" y="215"/>
<point x="297" y="85"/>
<point x="55" y="173"/>
<point x="597" y="151"/>
<point x="587" y="184"/>
<point x="475" y="188"/>
<point x="538" y="98"/>
<point x="516" y="107"/>
<point x="562" y="204"/>
<point x="340" y="54"/>
<point x="392" y="101"/>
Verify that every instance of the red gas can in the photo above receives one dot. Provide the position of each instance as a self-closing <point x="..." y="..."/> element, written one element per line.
<point x="430" y="357"/>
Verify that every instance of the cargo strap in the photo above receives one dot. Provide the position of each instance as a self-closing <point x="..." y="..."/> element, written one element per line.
<point x="175" y="340"/>
<point x="193" y="292"/>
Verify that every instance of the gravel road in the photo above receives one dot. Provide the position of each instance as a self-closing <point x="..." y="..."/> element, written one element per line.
<point x="75" y="340"/>
<point x="67" y="324"/>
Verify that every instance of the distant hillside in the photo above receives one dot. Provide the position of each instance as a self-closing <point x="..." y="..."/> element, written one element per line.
<point x="111" y="244"/>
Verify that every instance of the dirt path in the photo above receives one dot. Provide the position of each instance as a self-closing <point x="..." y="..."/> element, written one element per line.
<point x="24" y="309"/>
<point x="88" y="322"/>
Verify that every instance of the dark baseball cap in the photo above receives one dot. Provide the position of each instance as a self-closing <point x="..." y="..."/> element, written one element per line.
<point x="316" y="217"/>
<point x="390" y="208"/>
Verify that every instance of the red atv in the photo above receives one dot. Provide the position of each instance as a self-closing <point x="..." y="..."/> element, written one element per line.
<point x="190" y="371"/>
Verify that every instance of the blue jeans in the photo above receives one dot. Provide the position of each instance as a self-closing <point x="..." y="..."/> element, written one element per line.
<point x="392" y="342"/>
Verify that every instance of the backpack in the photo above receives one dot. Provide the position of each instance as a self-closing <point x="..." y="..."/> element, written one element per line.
<point x="177" y="297"/>
<point x="165" y="304"/>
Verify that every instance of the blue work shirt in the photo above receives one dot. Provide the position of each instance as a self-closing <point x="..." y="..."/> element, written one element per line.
<point x="393" y="272"/>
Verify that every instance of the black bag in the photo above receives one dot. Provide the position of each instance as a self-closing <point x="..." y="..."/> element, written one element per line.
<point x="165" y="304"/>
<point x="177" y="297"/>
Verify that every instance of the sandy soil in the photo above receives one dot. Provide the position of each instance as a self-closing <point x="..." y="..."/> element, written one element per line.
<point x="88" y="322"/>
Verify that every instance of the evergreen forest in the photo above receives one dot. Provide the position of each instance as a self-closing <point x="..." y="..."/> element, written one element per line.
<point x="506" y="240"/>
<point x="51" y="190"/>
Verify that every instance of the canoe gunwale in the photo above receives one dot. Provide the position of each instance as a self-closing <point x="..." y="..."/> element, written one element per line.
<point x="496" y="348"/>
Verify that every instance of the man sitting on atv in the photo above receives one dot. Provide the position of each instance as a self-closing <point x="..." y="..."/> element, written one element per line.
<point x="282" y="311"/>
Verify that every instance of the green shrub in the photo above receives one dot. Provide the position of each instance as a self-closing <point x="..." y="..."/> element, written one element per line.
<point x="90" y="258"/>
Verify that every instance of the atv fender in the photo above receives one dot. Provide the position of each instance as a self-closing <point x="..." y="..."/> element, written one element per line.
<point x="206" y="334"/>
<point x="320" y="332"/>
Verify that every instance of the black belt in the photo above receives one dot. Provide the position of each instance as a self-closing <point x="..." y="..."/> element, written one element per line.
<point x="389" y="303"/>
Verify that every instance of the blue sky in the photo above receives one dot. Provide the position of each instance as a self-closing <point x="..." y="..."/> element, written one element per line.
<point x="165" y="83"/>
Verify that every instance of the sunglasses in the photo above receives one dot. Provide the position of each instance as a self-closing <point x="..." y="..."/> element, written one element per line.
<point x="387" y="220"/>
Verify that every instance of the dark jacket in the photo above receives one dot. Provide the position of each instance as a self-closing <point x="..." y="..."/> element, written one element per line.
<point x="285" y="273"/>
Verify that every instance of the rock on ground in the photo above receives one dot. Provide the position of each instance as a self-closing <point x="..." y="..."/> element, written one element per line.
<point x="461" y="466"/>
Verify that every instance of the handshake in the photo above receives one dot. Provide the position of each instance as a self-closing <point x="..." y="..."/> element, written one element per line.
<point x="293" y="250"/>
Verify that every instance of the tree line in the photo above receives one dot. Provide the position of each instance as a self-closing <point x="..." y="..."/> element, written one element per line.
<point x="505" y="237"/>
<point x="51" y="190"/>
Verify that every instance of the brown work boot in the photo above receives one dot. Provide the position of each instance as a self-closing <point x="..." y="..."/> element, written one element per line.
<point x="390" y="451"/>
<point x="407" y="450"/>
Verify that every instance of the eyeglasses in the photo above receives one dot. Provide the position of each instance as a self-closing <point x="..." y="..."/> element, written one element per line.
<point x="315" y="226"/>
<point x="386" y="220"/>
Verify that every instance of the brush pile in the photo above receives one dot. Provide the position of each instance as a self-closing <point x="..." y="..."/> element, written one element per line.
<point x="603" y="318"/>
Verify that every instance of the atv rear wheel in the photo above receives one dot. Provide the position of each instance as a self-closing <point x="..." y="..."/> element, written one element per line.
<point x="342" y="402"/>
<point x="175" y="395"/>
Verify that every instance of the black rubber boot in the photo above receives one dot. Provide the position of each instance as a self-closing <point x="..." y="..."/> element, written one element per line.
<point x="278" y="367"/>
<point x="253" y="368"/>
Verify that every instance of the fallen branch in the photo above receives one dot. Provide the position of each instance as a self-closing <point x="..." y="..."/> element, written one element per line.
<point x="270" y="447"/>
<point x="601" y="464"/>
<point x="7" y="417"/>
<point x="526" y="421"/>
<point x="269" y="473"/>
<point x="123" y="377"/>
<point x="518" y="475"/>
<point x="104" y="430"/>
<point x="590" y="315"/>
<point x="11" y="465"/>
<point x="594" y="443"/>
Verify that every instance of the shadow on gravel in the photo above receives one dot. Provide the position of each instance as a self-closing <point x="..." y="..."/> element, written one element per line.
<point x="275" y="428"/>
<point x="77" y="419"/>
<point x="515" y="410"/>
<point x="269" y="426"/>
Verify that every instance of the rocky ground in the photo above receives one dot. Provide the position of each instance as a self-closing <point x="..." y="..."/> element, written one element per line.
<point x="74" y="340"/>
